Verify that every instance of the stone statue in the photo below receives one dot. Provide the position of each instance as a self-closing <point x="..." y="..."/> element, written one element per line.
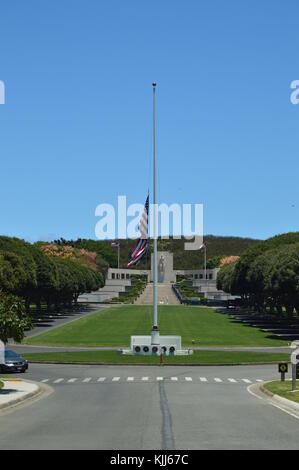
<point x="161" y="269"/>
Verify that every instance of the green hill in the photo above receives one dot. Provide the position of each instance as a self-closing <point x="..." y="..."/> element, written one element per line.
<point x="217" y="247"/>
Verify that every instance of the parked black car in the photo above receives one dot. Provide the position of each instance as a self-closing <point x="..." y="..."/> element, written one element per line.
<point x="13" y="362"/>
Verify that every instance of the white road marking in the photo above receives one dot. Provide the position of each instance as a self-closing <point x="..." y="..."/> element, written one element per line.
<point x="72" y="380"/>
<point x="130" y="379"/>
<point x="57" y="381"/>
<point x="247" y="381"/>
<point x="217" y="379"/>
<point x="233" y="381"/>
<point x="115" y="379"/>
<point x="45" y="380"/>
<point x="144" y="379"/>
<point x="88" y="379"/>
<point x="160" y="378"/>
<point x="259" y="380"/>
<point x="188" y="379"/>
<point x="174" y="379"/>
<point x="102" y="379"/>
<point x="203" y="379"/>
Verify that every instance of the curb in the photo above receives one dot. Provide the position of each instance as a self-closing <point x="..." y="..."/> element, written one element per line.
<point x="41" y="392"/>
<point x="185" y="364"/>
<point x="278" y="398"/>
<point x="282" y="403"/>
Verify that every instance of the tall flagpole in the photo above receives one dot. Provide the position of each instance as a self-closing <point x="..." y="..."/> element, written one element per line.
<point x="155" y="331"/>
<point x="205" y="261"/>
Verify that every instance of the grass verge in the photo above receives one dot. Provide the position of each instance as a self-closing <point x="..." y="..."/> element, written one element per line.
<point x="283" y="389"/>
<point x="1" y="384"/>
<point x="114" y="326"/>
<point x="198" y="358"/>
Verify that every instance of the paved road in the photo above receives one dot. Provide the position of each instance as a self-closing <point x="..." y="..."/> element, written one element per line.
<point x="21" y="349"/>
<point x="111" y="407"/>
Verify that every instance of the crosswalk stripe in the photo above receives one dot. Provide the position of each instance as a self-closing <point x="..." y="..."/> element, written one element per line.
<point x="146" y="379"/>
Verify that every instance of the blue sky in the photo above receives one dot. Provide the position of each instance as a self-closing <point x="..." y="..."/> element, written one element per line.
<point x="76" y="127"/>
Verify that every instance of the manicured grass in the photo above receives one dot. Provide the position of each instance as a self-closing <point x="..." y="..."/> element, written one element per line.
<point x="198" y="358"/>
<point x="114" y="326"/>
<point x="284" y="389"/>
<point x="1" y="384"/>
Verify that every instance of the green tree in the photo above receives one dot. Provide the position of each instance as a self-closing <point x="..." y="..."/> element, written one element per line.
<point x="13" y="320"/>
<point x="12" y="273"/>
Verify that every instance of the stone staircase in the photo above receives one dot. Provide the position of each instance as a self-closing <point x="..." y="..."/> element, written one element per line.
<point x="166" y="296"/>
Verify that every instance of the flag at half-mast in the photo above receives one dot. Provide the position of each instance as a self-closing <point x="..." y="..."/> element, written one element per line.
<point x="141" y="246"/>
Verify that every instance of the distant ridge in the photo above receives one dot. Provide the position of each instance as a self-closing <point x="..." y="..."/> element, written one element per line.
<point x="217" y="247"/>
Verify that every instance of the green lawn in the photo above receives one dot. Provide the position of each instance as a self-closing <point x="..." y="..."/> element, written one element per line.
<point x="1" y="384"/>
<point x="198" y="358"/>
<point x="284" y="389"/>
<point x="198" y="326"/>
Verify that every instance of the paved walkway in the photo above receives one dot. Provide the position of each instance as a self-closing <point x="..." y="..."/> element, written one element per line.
<point x="16" y="391"/>
<point x="165" y="294"/>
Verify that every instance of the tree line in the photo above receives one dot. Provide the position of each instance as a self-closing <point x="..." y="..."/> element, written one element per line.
<point x="34" y="276"/>
<point x="266" y="276"/>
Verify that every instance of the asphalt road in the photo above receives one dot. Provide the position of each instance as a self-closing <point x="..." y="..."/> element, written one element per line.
<point x="111" y="407"/>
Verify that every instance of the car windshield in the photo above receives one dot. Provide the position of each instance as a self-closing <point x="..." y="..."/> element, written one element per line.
<point x="11" y="354"/>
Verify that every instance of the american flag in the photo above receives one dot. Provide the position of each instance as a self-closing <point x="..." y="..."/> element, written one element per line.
<point x="141" y="246"/>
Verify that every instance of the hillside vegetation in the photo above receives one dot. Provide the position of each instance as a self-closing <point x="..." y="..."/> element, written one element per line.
<point x="217" y="247"/>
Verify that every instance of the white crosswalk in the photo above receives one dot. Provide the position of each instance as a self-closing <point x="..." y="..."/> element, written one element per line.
<point x="147" y="379"/>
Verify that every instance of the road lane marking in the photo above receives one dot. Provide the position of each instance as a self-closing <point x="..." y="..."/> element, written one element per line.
<point x="57" y="381"/>
<point x="259" y="380"/>
<point x="247" y="381"/>
<point x="45" y="380"/>
<point x="130" y="379"/>
<point x="101" y="379"/>
<point x="203" y="379"/>
<point x="72" y="380"/>
<point x="160" y="378"/>
<point x="88" y="379"/>
<point x="115" y="379"/>
<point x="144" y="379"/>
<point x="233" y="381"/>
<point x="217" y="379"/>
<point x="188" y="379"/>
<point x="174" y="379"/>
